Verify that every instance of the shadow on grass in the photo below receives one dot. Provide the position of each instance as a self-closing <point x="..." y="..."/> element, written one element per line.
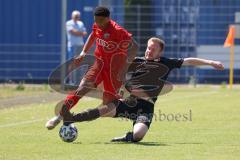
<point x="188" y="143"/>
<point x="77" y="143"/>
<point x="142" y="143"/>
<point x="138" y="143"/>
<point x="151" y="144"/>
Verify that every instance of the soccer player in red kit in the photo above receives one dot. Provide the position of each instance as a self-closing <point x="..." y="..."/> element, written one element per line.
<point x="114" y="48"/>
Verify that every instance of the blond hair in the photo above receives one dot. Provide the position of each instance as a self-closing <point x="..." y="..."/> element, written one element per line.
<point x="159" y="41"/>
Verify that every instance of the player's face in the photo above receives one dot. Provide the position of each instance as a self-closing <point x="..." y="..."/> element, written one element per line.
<point x="153" y="50"/>
<point x="101" y="22"/>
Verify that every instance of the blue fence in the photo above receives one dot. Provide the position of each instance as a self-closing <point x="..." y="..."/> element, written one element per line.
<point x="30" y="32"/>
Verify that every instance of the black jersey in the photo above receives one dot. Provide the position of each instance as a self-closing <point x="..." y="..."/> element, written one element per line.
<point x="147" y="78"/>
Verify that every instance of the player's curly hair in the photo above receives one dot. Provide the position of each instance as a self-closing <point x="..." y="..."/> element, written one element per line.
<point x="101" y="11"/>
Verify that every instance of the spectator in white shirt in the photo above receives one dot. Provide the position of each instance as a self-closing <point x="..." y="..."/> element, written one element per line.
<point x="75" y="33"/>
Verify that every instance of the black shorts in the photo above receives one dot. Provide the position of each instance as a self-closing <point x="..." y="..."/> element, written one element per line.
<point x="142" y="111"/>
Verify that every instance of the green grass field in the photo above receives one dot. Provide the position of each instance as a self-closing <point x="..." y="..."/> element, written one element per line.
<point x="213" y="133"/>
<point x="8" y="91"/>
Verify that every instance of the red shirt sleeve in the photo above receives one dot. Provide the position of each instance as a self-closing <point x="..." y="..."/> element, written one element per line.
<point x="125" y="35"/>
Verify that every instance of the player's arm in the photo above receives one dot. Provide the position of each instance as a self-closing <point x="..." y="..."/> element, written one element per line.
<point x="78" y="33"/>
<point x="131" y="54"/>
<point x="200" y="62"/>
<point x="132" y="51"/>
<point x="86" y="47"/>
<point x="89" y="43"/>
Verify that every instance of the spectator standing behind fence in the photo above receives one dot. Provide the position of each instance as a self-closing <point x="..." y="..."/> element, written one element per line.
<point x="75" y="34"/>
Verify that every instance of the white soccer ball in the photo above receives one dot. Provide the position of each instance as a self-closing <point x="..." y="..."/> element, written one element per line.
<point x="68" y="133"/>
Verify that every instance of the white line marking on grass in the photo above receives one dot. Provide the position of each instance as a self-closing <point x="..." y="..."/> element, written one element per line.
<point x="20" y="123"/>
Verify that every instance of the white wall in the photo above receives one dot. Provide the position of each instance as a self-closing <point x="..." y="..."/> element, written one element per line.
<point x="218" y="52"/>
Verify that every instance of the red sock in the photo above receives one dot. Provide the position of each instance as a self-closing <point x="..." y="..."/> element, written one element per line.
<point x="71" y="100"/>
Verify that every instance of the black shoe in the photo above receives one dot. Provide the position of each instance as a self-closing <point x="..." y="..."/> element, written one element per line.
<point x="126" y="138"/>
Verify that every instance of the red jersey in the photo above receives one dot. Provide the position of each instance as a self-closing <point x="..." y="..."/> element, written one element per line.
<point x="113" y="39"/>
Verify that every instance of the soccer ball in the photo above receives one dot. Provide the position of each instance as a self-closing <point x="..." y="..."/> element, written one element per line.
<point x="68" y="133"/>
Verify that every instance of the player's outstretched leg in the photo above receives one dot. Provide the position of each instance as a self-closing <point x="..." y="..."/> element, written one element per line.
<point x="70" y="101"/>
<point x="90" y="114"/>
<point x="87" y="115"/>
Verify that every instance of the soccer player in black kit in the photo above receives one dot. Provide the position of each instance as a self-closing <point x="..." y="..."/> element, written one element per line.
<point x="147" y="78"/>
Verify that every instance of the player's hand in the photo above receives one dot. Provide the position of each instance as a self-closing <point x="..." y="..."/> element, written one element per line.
<point x="79" y="58"/>
<point x="217" y="65"/>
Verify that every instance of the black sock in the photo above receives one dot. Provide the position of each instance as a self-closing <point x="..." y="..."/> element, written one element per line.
<point x="67" y="116"/>
<point x="87" y="115"/>
<point x="129" y="137"/>
<point x="67" y="123"/>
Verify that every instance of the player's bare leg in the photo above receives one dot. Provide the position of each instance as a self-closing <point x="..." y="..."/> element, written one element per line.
<point x="139" y="131"/>
<point x="71" y="100"/>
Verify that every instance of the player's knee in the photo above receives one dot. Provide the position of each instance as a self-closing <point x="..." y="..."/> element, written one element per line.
<point x="114" y="103"/>
<point x="84" y="88"/>
<point x="108" y="98"/>
<point x="87" y="84"/>
<point x="139" y="131"/>
<point x="137" y="137"/>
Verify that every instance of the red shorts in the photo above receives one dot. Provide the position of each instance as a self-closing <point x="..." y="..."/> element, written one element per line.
<point x="107" y="70"/>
